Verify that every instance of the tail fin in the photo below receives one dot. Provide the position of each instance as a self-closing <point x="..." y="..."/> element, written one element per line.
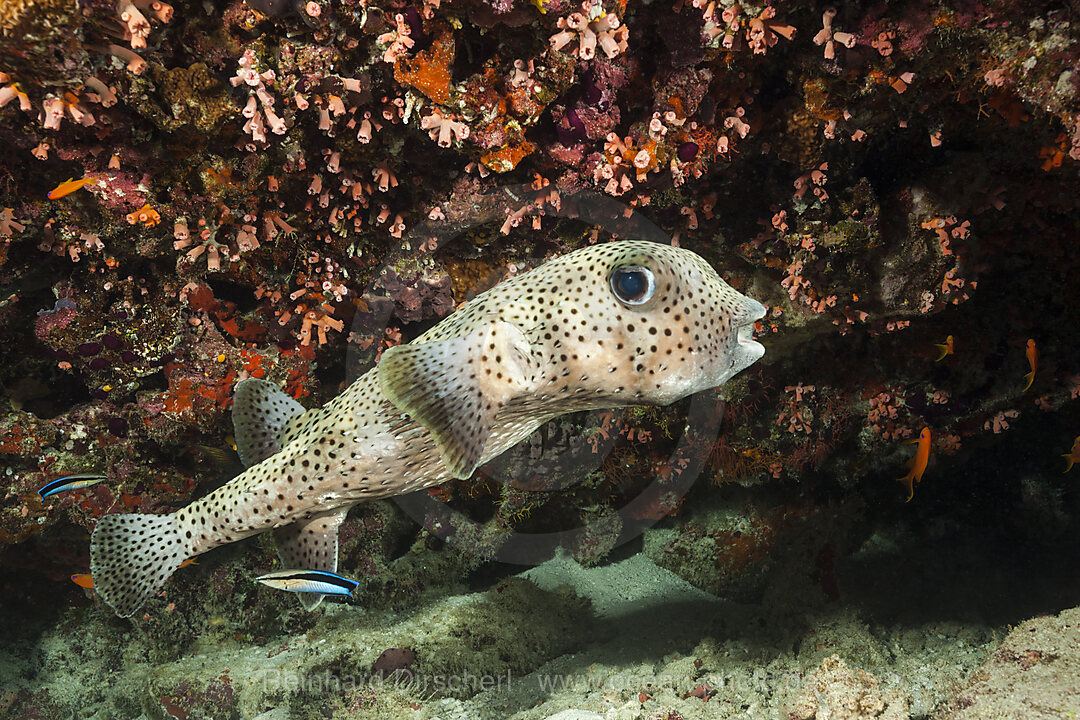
<point x="131" y="557"/>
<point x="908" y="481"/>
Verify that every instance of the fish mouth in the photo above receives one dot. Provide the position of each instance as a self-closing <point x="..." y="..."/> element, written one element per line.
<point x="746" y="334"/>
<point x="750" y="347"/>
<point x="745" y="330"/>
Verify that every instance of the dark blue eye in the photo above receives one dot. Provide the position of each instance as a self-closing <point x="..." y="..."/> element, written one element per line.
<point x="633" y="285"/>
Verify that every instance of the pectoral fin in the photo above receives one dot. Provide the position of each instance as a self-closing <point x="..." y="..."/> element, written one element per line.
<point x="311" y="544"/>
<point x="456" y="387"/>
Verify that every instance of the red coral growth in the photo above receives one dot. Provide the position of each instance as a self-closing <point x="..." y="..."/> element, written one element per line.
<point x="429" y="71"/>
<point x="190" y="392"/>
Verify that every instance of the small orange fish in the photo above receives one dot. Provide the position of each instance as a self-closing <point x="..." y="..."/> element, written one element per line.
<point x="85" y="580"/>
<point x="944" y="349"/>
<point x="1033" y="362"/>
<point x="1073" y="456"/>
<point x="69" y="186"/>
<point x="918" y="463"/>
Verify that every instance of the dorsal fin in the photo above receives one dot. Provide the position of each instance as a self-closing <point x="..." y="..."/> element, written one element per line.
<point x="456" y="387"/>
<point x="260" y="412"/>
<point x="295" y="425"/>
<point x="311" y="544"/>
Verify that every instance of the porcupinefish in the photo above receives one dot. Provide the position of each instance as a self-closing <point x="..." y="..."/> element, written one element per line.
<point x="615" y="324"/>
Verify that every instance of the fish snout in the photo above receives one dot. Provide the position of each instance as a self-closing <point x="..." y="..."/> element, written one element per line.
<point x="752" y="311"/>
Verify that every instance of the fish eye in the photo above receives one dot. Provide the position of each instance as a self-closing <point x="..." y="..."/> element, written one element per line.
<point x="633" y="285"/>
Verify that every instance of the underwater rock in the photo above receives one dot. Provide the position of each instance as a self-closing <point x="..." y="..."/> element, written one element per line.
<point x="837" y="692"/>
<point x="1032" y="674"/>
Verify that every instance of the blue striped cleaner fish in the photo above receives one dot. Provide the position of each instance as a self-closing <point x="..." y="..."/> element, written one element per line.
<point x="318" y="582"/>
<point x="70" y="482"/>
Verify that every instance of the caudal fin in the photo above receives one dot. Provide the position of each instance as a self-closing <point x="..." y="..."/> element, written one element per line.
<point x="131" y="557"/>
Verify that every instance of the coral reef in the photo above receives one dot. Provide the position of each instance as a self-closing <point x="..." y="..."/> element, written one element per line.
<point x="285" y="149"/>
<point x="197" y="193"/>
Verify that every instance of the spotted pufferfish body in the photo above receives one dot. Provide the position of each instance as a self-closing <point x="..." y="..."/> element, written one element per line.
<point x="615" y="324"/>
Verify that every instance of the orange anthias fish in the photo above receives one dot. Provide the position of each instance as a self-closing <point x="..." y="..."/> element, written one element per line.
<point x="1073" y="456"/>
<point x="86" y="580"/>
<point x="69" y="186"/>
<point x="944" y="349"/>
<point x="918" y="463"/>
<point x="1033" y="362"/>
<point x="83" y="580"/>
